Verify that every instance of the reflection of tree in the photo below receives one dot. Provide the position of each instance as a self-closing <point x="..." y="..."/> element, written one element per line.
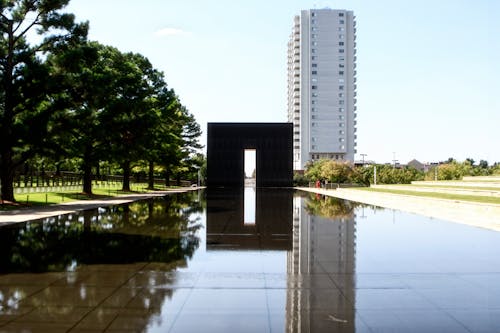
<point x="330" y="207"/>
<point x="146" y="231"/>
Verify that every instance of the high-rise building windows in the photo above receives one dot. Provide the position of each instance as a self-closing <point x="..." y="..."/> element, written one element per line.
<point x="323" y="119"/>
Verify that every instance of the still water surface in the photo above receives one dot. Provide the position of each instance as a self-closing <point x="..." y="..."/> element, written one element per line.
<point x="243" y="261"/>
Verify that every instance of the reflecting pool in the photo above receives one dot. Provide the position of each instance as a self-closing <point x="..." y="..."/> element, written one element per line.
<point x="248" y="261"/>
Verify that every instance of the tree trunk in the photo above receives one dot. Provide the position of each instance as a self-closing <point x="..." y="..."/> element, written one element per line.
<point x="151" y="179"/>
<point x="87" y="172"/>
<point x="126" y="176"/>
<point x="7" y="176"/>
<point x="87" y="220"/>
<point x="167" y="177"/>
<point x="58" y="169"/>
<point x="98" y="171"/>
<point x="6" y="137"/>
<point x="150" y="209"/>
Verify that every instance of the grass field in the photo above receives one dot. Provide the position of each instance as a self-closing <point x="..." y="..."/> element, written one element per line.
<point x="50" y="198"/>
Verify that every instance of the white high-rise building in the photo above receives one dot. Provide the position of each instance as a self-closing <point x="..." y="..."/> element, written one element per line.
<point x="322" y="85"/>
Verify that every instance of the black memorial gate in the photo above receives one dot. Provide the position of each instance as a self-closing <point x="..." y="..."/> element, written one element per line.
<point x="227" y="142"/>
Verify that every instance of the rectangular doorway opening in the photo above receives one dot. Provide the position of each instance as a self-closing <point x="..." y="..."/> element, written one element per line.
<point x="249" y="196"/>
<point x="250" y="167"/>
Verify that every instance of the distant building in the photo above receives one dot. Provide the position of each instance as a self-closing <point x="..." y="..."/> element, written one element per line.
<point x="418" y="165"/>
<point x="322" y="85"/>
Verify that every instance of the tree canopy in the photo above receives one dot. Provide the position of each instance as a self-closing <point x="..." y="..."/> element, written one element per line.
<point x="67" y="98"/>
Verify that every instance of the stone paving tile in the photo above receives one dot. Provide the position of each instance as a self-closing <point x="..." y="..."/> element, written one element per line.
<point x="68" y="296"/>
<point x="479" y="321"/>
<point x="390" y="300"/>
<point x="98" y="319"/>
<point x="42" y="279"/>
<point x="220" y="322"/>
<point x="55" y="314"/>
<point x="407" y="320"/>
<point x="36" y="328"/>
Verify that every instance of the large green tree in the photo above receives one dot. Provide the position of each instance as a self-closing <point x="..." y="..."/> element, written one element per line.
<point x="133" y="111"/>
<point x="182" y="158"/>
<point x="166" y="137"/>
<point x="25" y="95"/>
<point x="91" y="77"/>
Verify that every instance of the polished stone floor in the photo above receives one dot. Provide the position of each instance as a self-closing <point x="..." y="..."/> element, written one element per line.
<point x="314" y="265"/>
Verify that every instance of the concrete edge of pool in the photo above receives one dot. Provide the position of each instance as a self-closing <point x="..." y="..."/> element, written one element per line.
<point x="469" y="213"/>
<point x="35" y="213"/>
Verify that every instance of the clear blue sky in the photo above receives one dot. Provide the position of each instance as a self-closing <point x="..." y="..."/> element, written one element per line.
<point x="428" y="71"/>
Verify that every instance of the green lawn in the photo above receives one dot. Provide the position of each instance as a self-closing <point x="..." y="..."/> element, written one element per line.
<point x="445" y="186"/>
<point x="458" y="197"/>
<point x="50" y="198"/>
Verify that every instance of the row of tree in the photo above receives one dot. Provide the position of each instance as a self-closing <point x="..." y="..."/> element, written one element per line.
<point x="345" y="172"/>
<point x="69" y="98"/>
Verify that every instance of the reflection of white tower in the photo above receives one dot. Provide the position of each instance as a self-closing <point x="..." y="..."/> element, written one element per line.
<point x="321" y="246"/>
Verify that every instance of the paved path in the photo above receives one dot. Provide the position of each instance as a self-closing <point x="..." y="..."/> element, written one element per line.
<point x="34" y="213"/>
<point x="470" y="213"/>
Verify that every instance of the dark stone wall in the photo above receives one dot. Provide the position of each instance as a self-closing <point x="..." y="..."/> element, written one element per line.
<point x="273" y="143"/>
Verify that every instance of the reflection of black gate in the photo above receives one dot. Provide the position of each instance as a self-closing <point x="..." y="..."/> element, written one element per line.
<point x="273" y="225"/>
<point x="274" y="153"/>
